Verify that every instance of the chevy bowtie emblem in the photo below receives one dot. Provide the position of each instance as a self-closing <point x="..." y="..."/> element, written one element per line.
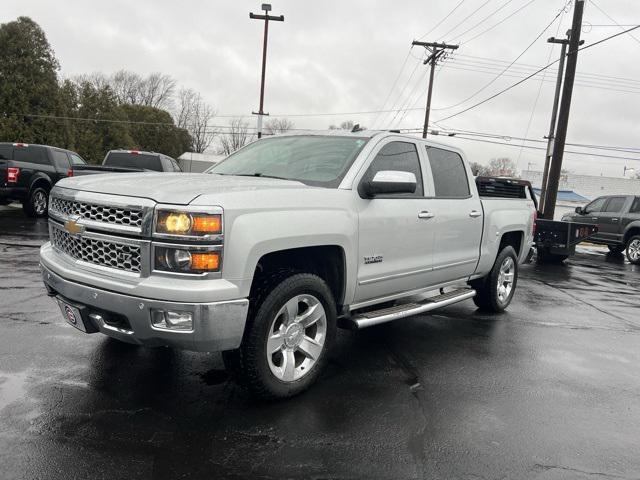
<point x="73" y="227"/>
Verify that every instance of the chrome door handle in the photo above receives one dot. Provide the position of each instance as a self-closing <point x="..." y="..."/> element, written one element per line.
<point x="474" y="213"/>
<point x="615" y="219"/>
<point x="594" y="218"/>
<point x="426" y="214"/>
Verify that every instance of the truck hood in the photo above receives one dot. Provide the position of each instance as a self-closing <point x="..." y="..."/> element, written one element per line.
<point x="174" y="188"/>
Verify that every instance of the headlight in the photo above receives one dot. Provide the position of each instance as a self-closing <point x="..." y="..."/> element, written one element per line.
<point x="190" y="224"/>
<point x="185" y="260"/>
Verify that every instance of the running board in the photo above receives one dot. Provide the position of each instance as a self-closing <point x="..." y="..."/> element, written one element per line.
<point x="375" y="317"/>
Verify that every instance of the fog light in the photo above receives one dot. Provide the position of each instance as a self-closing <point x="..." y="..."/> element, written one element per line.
<point x="171" y="320"/>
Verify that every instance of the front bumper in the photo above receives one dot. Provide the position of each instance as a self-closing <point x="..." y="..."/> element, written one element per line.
<point x="217" y="326"/>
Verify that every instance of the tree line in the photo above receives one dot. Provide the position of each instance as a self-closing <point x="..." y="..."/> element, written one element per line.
<point x="97" y="112"/>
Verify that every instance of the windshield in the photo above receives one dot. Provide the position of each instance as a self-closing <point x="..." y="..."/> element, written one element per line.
<point x="315" y="160"/>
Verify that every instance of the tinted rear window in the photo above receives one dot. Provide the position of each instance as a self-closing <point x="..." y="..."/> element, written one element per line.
<point x="134" y="160"/>
<point x="31" y="154"/>
<point x="449" y="175"/>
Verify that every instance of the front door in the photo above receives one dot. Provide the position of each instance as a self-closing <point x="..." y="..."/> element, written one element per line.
<point x="396" y="232"/>
<point x="610" y="219"/>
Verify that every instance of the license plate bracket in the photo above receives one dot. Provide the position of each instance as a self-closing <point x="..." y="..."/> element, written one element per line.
<point x="72" y="314"/>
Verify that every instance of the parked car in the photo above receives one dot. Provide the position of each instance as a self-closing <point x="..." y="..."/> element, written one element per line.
<point x="618" y="221"/>
<point x="263" y="256"/>
<point x="132" y="161"/>
<point x="28" y="172"/>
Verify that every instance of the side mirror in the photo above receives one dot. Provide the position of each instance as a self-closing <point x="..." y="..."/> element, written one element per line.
<point x="580" y="210"/>
<point x="388" y="182"/>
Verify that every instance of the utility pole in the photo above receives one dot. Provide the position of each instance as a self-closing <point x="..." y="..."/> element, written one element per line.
<point x="555" y="169"/>
<point x="266" y="17"/>
<point x="436" y="51"/>
<point x="554" y="114"/>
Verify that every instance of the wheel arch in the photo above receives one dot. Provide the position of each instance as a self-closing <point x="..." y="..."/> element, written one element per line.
<point x="631" y="230"/>
<point x="40" y="180"/>
<point x="326" y="261"/>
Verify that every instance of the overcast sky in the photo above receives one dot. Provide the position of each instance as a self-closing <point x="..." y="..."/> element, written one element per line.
<point x="343" y="56"/>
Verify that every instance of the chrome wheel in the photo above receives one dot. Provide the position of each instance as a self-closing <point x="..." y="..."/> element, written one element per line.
<point x="296" y="337"/>
<point x="505" y="279"/>
<point x="633" y="250"/>
<point x="40" y="202"/>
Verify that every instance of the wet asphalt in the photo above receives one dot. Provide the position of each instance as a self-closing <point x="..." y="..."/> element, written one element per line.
<point x="548" y="390"/>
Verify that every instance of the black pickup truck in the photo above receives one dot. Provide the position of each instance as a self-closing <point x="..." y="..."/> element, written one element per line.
<point x="131" y="161"/>
<point x="28" y="172"/>
<point x="618" y="221"/>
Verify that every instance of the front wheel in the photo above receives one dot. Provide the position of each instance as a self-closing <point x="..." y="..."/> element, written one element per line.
<point x="495" y="292"/>
<point x="289" y="333"/>
<point x="633" y="250"/>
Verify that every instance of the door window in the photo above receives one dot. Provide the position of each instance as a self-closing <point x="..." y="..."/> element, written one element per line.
<point x="60" y="160"/>
<point x="31" y="154"/>
<point x="400" y="156"/>
<point x="596" y="205"/>
<point x="615" y="204"/>
<point x="449" y="174"/>
<point x="635" y="208"/>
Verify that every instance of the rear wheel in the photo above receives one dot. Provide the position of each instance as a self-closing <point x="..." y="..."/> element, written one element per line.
<point x="633" y="250"/>
<point x="288" y="335"/>
<point x="495" y="292"/>
<point x="616" y="248"/>
<point x="37" y="204"/>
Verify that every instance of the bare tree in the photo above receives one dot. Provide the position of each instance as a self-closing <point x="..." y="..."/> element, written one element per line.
<point x="346" y="125"/>
<point x="275" y="126"/>
<point x="502" y="167"/>
<point x="127" y="87"/>
<point x="236" y="137"/>
<point x="194" y="115"/>
<point x="157" y="90"/>
<point x="97" y="79"/>
<point x="480" y="170"/>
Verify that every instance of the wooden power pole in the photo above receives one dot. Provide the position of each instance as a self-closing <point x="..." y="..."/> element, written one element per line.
<point x="266" y="17"/>
<point x="555" y="168"/>
<point x="436" y="51"/>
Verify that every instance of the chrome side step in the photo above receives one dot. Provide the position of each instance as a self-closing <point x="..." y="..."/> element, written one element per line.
<point x="375" y="317"/>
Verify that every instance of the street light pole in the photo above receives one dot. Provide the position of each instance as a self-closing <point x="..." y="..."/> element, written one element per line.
<point x="266" y="17"/>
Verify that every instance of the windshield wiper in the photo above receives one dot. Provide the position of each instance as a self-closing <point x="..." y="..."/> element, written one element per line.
<point x="258" y="174"/>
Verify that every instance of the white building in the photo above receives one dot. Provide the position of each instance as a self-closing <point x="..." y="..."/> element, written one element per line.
<point x="198" y="162"/>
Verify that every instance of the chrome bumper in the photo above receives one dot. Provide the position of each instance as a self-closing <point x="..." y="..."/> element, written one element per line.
<point x="217" y="326"/>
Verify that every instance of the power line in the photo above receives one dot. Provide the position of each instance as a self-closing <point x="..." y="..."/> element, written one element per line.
<point x="532" y="75"/>
<point x="611" y="18"/>
<point x="487" y="85"/>
<point x="442" y="21"/>
<point x="484" y="19"/>
<point x="463" y="20"/>
<point x="395" y="82"/>
<point x="499" y="23"/>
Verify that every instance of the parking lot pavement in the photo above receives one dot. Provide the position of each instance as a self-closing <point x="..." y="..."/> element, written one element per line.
<point x="548" y="390"/>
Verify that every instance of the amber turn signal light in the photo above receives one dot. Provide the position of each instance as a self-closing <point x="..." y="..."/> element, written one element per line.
<point x="205" y="262"/>
<point x="209" y="224"/>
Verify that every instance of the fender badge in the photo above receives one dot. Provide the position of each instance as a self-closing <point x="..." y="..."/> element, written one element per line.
<point x="373" y="259"/>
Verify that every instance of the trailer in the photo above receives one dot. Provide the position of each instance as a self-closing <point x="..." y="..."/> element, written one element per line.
<point x="554" y="240"/>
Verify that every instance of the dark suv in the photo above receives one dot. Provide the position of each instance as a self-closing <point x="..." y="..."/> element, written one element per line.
<point x="27" y="173"/>
<point x="618" y="220"/>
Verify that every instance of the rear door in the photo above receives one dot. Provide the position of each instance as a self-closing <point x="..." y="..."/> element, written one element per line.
<point x="610" y="219"/>
<point x="61" y="163"/>
<point x="458" y="216"/>
<point x="33" y="159"/>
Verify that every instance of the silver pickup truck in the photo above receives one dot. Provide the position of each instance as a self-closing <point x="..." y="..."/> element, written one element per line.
<point x="267" y="253"/>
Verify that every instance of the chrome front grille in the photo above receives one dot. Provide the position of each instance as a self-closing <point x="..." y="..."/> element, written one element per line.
<point x="105" y="253"/>
<point x="97" y="213"/>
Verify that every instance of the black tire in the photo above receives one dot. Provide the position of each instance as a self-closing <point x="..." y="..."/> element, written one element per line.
<point x="487" y="295"/>
<point x="37" y="204"/>
<point x="633" y="254"/>
<point x="250" y="364"/>
<point x="616" y="248"/>
<point x="543" y="255"/>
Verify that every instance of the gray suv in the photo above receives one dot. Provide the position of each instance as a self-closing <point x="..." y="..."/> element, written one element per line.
<point x="618" y="220"/>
